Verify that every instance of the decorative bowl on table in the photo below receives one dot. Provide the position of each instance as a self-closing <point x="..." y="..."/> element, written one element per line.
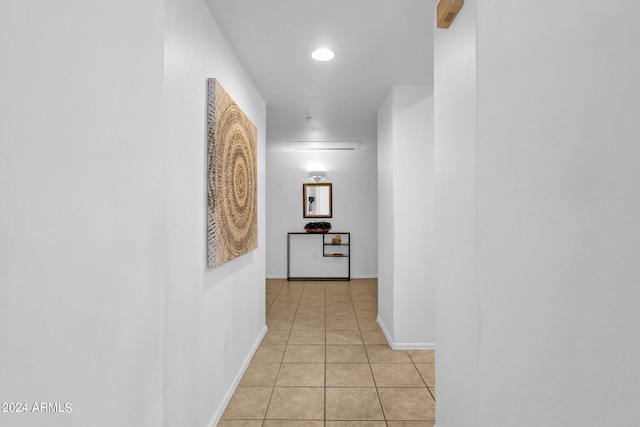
<point x="318" y="227"/>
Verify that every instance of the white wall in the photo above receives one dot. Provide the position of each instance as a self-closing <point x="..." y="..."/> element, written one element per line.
<point x="551" y="281"/>
<point x="200" y="303"/>
<point x="81" y="211"/>
<point x="307" y="256"/>
<point x="386" y="223"/>
<point x="106" y="302"/>
<point x="353" y="175"/>
<point x="455" y="221"/>
<point x="406" y="204"/>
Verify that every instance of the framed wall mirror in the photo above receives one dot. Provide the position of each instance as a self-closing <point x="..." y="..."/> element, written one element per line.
<point x="316" y="200"/>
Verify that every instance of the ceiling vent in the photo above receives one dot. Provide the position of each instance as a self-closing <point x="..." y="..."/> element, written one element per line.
<point x="323" y="145"/>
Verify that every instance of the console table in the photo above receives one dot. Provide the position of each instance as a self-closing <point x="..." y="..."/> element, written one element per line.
<point x="313" y="256"/>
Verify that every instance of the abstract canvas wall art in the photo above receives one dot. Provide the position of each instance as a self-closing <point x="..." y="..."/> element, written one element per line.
<point x="232" y="187"/>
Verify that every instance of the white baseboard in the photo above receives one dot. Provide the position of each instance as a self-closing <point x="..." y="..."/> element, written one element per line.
<point x="227" y="397"/>
<point x="401" y="345"/>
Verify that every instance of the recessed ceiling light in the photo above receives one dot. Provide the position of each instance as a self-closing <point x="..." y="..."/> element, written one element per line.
<point x="322" y="54"/>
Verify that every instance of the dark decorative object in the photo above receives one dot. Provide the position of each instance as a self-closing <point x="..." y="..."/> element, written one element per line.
<point x="232" y="213"/>
<point x="318" y="227"/>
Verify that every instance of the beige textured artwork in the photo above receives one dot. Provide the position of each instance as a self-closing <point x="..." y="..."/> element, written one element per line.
<point x="232" y="213"/>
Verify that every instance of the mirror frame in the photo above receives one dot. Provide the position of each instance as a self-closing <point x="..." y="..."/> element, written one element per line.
<point x="305" y="212"/>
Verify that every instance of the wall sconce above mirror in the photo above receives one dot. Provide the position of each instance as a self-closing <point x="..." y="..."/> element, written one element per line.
<point x="317" y="175"/>
<point x="316" y="200"/>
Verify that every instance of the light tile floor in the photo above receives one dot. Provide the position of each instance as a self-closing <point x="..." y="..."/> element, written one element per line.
<point x="325" y="362"/>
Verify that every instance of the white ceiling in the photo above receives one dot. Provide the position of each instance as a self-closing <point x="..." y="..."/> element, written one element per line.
<point x="378" y="44"/>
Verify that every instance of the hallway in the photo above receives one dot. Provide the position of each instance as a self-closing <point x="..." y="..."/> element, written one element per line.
<point x="325" y="362"/>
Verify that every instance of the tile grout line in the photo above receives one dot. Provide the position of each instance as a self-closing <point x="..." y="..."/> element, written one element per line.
<point x="386" y="422"/>
<point x="264" y="417"/>
<point x="273" y="389"/>
<point x="324" y="415"/>
<point x="370" y="368"/>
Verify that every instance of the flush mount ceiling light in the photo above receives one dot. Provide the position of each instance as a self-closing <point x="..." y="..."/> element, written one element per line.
<point x="323" y="54"/>
<point x="323" y="145"/>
